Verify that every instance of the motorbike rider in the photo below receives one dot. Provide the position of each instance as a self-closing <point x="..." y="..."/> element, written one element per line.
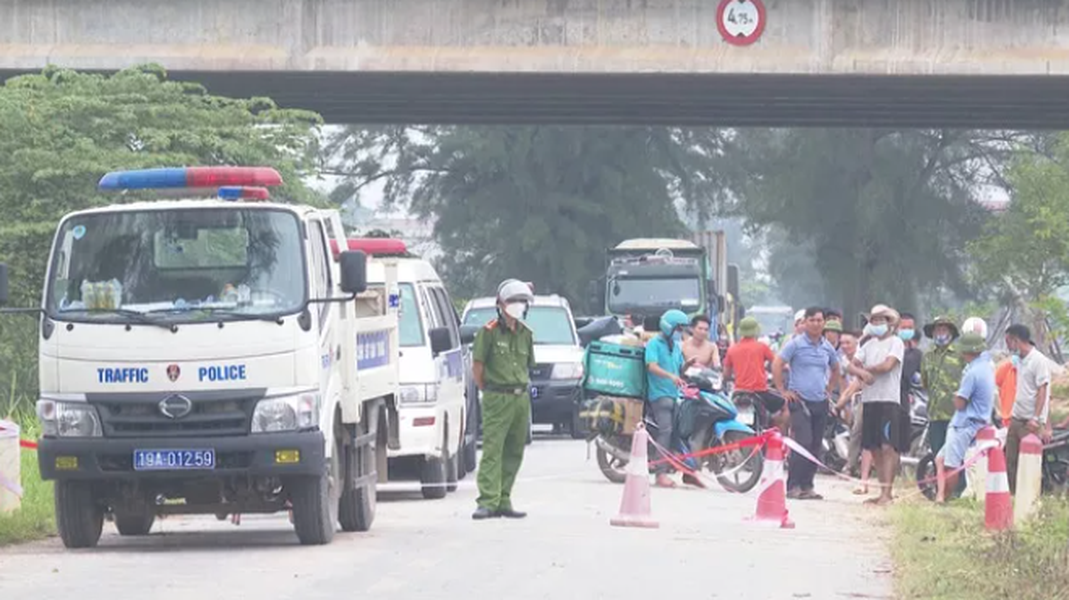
<point x="748" y="361"/>
<point x="941" y="369"/>
<point x="664" y="369"/>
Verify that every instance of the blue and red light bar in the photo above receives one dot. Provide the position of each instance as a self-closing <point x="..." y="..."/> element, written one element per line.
<point x="243" y="193"/>
<point x="190" y="177"/>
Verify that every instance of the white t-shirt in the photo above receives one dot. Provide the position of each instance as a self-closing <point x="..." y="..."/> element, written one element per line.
<point x="1033" y="372"/>
<point x="886" y="387"/>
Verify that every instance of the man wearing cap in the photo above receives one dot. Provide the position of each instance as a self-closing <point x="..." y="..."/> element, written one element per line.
<point x="502" y="356"/>
<point x="878" y="364"/>
<point x="1031" y="406"/>
<point x="814" y="368"/>
<point x="748" y="361"/>
<point x="941" y="370"/>
<point x="973" y="402"/>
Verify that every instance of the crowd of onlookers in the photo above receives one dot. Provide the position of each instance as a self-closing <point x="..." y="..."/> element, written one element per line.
<point x="869" y="378"/>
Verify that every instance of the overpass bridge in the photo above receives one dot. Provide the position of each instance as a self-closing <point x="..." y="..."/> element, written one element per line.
<point x="927" y="63"/>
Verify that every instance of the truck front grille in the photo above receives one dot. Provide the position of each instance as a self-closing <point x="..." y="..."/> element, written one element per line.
<point x="212" y="414"/>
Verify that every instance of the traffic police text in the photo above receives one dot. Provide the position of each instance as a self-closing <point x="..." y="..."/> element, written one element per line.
<point x="122" y="375"/>
<point x="222" y="373"/>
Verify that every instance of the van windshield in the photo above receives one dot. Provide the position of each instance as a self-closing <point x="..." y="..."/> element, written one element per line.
<point x="551" y="325"/>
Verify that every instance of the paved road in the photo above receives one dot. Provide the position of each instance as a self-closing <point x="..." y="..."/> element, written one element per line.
<point x="431" y="549"/>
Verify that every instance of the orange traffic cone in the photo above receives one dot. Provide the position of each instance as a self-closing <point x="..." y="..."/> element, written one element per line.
<point x="772" y="491"/>
<point x="635" y="505"/>
<point x="998" y="505"/>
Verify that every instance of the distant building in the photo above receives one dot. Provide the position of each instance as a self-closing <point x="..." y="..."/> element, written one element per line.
<point x="417" y="234"/>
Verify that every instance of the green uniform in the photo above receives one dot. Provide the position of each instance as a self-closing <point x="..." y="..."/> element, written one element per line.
<point x="506" y="356"/>
<point x="941" y="370"/>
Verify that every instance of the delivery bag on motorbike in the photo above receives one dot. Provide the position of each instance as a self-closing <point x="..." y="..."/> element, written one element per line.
<point x="615" y="370"/>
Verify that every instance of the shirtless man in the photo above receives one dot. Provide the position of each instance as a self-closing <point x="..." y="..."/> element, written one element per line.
<point x="698" y="349"/>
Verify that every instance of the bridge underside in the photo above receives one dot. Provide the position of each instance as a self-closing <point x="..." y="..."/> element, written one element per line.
<point x="994" y="102"/>
<point x="929" y="101"/>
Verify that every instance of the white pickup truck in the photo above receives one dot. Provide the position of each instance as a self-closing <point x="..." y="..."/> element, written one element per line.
<point x="209" y="356"/>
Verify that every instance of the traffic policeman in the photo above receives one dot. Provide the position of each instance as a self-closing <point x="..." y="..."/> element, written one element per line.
<point x="503" y="353"/>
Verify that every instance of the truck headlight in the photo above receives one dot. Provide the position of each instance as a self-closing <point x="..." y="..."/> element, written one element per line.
<point x="418" y="394"/>
<point x="68" y="419"/>
<point x="567" y="371"/>
<point x="286" y="413"/>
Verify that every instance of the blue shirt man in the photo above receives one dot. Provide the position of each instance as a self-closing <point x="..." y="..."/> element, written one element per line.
<point x="669" y="359"/>
<point x="811" y="362"/>
<point x="973" y="403"/>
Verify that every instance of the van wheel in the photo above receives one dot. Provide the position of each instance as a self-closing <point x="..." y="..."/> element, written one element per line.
<point x="79" y="517"/>
<point x="462" y="465"/>
<point x="433" y="476"/>
<point x="315" y="502"/>
<point x="356" y="512"/>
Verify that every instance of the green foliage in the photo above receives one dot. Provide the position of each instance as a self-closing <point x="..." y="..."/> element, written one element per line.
<point x="866" y="215"/>
<point x="537" y="203"/>
<point x="945" y="553"/>
<point x="1026" y="249"/>
<point x="63" y="130"/>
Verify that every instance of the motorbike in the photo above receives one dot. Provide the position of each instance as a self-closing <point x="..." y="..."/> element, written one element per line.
<point x="1056" y="463"/>
<point x="706" y="418"/>
<point x="835" y="446"/>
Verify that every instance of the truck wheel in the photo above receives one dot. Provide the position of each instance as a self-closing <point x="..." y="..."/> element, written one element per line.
<point x="315" y="500"/>
<point x="433" y="476"/>
<point x="79" y="518"/>
<point x="134" y="523"/>
<point x="357" y="509"/>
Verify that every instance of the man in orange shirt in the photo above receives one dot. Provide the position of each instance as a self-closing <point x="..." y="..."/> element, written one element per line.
<point x="747" y="361"/>
<point x="1006" y="381"/>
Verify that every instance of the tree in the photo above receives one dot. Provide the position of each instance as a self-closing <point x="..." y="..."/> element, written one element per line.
<point x="884" y="214"/>
<point x="63" y="130"/>
<point x="1024" y="254"/>
<point x="538" y="203"/>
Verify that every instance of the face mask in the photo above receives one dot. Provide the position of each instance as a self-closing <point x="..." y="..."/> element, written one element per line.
<point x="906" y="335"/>
<point x="515" y="310"/>
<point x="677" y="336"/>
<point x="878" y="330"/>
<point x="1016" y="360"/>
<point x="942" y="340"/>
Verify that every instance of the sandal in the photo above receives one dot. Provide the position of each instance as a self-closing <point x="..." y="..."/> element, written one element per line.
<point x="810" y="495"/>
<point x="861" y="490"/>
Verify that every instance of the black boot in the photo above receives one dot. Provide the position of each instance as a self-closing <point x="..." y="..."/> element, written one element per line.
<point x="482" y="513"/>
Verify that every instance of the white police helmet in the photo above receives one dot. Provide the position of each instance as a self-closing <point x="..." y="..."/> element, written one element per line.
<point x="514" y="290"/>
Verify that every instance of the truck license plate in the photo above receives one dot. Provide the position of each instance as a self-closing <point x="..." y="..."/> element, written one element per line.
<point x="176" y="460"/>
<point x="746" y="416"/>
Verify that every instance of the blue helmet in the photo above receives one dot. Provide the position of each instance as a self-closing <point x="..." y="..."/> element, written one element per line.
<point x="671" y="320"/>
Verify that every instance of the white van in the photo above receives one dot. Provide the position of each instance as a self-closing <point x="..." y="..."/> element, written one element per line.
<point x="431" y="408"/>
<point x="558" y="373"/>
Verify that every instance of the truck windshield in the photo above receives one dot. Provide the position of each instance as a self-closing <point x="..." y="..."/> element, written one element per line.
<point x="551" y="326"/>
<point x="177" y="265"/>
<point x="632" y="294"/>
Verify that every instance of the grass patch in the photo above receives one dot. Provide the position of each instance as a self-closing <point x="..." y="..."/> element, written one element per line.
<point x="944" y="553"/>
<point x="35" y="519"/>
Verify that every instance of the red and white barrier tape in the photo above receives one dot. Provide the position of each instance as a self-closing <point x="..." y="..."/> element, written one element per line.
<point x="676" y="459"/>
<point x="983" y="447"/>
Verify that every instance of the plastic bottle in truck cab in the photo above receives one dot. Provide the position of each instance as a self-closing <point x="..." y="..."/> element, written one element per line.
<point x="209" y="356"/>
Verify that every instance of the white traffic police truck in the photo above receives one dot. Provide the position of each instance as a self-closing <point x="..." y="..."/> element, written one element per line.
<point x="209" y="356"/>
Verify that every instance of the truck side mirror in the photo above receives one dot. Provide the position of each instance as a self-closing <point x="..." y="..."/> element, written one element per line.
<point x="4" y="290"/>
<point x="467" y="334"/>
<point x="353" y="265"/>
<point x="440" y="340"/>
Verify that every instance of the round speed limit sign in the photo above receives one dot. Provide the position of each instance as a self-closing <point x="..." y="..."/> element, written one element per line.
<point x="740" y="22"/>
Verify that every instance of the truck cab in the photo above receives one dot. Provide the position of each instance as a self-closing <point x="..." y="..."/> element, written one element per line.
<point x="647" y="277"/>
<point x="204" y="355"/>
